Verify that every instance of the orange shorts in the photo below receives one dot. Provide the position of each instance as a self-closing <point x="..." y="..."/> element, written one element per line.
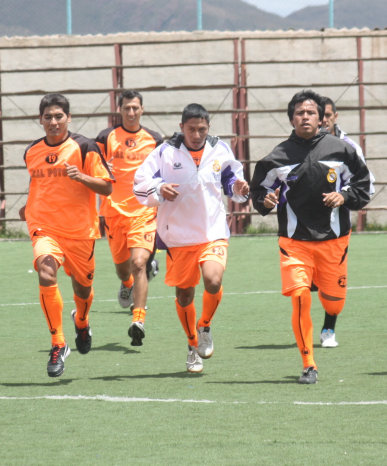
<point x="125" y="233"/>
<point x="76" y="256"/>
<point x="322" y="262"/>
<point x="183" y="263"/>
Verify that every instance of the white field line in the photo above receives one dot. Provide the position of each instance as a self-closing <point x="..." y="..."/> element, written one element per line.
<point x="242" y="293"/>
<point x="123" y="399"/>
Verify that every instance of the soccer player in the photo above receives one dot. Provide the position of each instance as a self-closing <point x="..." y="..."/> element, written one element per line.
<point x="314" y="180"/>
<point x="66" y="171"/>
<point x="184" y="178"/>
<point x="328" y="335"/>
<point x="130" y="227"/>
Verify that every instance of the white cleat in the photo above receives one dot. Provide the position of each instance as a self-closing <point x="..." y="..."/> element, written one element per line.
<point x="205" y="342"/>
<point x="194" y="361"/>
<point x="328" y="338"/>
<point x="125" y="296"/>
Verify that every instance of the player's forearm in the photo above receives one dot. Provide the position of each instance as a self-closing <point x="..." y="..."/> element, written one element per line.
<point x="98" y="185"/>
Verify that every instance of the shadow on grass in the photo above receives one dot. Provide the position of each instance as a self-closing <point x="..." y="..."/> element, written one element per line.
<point x="55" y="383"/>
<point x="289" y="379"/>
<point x="107" y="347"/>
<point x="168" y="375"/>
<point x="268" y="347"/>
<point x="377" y="373"/>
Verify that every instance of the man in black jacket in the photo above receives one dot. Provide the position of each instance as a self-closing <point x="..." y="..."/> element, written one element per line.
<point x="314" y="180"/>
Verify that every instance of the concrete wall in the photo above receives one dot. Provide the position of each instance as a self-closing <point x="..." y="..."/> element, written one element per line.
<point x="174" y="69"/>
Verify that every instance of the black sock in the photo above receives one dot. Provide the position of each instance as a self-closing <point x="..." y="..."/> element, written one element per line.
<point x="330" y="321"/>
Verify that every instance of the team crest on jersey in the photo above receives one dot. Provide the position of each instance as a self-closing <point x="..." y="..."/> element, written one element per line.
<point x="52" y="158"/>
<point x="90" y="276"/>
<point x="177" y="166"/>
<point x="331" y="176"/>
<point x="148" y="238"/>
<point x="342" y="281"/>
<point x="216" y="166"/>
<point x="130" y="142"/>
<point x="218" y="251"/>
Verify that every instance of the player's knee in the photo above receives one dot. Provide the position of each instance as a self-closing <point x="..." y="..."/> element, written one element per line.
<point x="212" y="284"/>
<point x="138" y="264"/>
<point x="332" y="306"/>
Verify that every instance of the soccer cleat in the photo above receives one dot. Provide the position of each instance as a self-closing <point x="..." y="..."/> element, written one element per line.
<point x="152" y="269"/>
<point x="308" y="376"/>
<point x="55" y="365"/>
<point x="328" y="338"/>
<point x="205" y="342"/>
<point x="125" y="296"/>
<point x="83" y="338"/>
<point x="137" y="333"/>
<point x="194" y="361"/>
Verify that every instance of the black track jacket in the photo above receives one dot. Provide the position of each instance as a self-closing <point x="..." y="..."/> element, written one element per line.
<point x="304" y="170"/>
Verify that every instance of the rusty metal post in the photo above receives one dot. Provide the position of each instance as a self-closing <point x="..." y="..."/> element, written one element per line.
<point x="235" y="124"/>
<point x="2" y="177"/>
<point x="243" y="132"/>
<point x="361" y="216"/>
<point x="117" y="77"/>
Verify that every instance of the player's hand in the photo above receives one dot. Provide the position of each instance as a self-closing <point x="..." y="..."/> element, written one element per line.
<point x="73" y="172"/>
<point x="333" y="199"/>
<point x="241" y="188"/>
<point x="22" y="213"/>
<point x="271" y="199"/>
<point x="169" y="192"/>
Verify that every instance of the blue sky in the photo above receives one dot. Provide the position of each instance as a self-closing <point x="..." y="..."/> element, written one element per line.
<point x="285" y="7"/>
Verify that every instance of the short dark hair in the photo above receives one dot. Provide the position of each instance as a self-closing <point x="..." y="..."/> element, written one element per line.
<point x="54" y="99"/>
<point x="195" y="111"/>
<point x="328" y="101"/>
<point x="306" y="95"/>
<point x="129" y="94"/>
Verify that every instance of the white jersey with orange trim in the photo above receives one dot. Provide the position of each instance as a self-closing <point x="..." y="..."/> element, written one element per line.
<point x="198" y="214"/>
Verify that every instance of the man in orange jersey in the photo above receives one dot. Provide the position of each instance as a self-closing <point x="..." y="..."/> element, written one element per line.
<point x="184" y="177"/>
<point x="66" y="171"/>
<point x="130" y="227"/>
<point x="314" y="180"/>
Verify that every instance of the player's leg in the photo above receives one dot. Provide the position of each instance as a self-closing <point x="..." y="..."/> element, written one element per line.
<point x="302" y="325"/>
<point x="296" y="260"/>
<point x="213" y="263"/>
<point x="138" y="261"/>
<point x="125" y="293"/>
<point x="184" y="274"/>
<point x="80" y="266"/>
<point x="332" y="278"/>
<point x="140" y="241"/>
<point x="117" y="232"/>
<point x="47" y="259"/>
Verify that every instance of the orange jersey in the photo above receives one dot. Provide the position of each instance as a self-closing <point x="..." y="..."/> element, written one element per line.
<point x="57" y="204"/>
<point x="126" y="151"/>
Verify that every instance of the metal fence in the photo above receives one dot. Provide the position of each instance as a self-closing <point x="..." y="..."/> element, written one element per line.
<point x="244" y="80"/>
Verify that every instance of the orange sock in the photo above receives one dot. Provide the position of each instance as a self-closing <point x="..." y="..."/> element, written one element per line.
<point x="52" y="305"/>
<point x="83" y="308"/>
<point x="139" y="314"/>
<point x="210" y="304"/>
<point x="187" y="316"/>
<point x="302" y="324"/>
<point x="129" y="282"/>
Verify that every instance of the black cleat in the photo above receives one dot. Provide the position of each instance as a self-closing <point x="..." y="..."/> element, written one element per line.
<point x="308" y="376"/>
<point x="55" y="365"/>
<point x="83" y="338"/>
<point x="137" y="333"/>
